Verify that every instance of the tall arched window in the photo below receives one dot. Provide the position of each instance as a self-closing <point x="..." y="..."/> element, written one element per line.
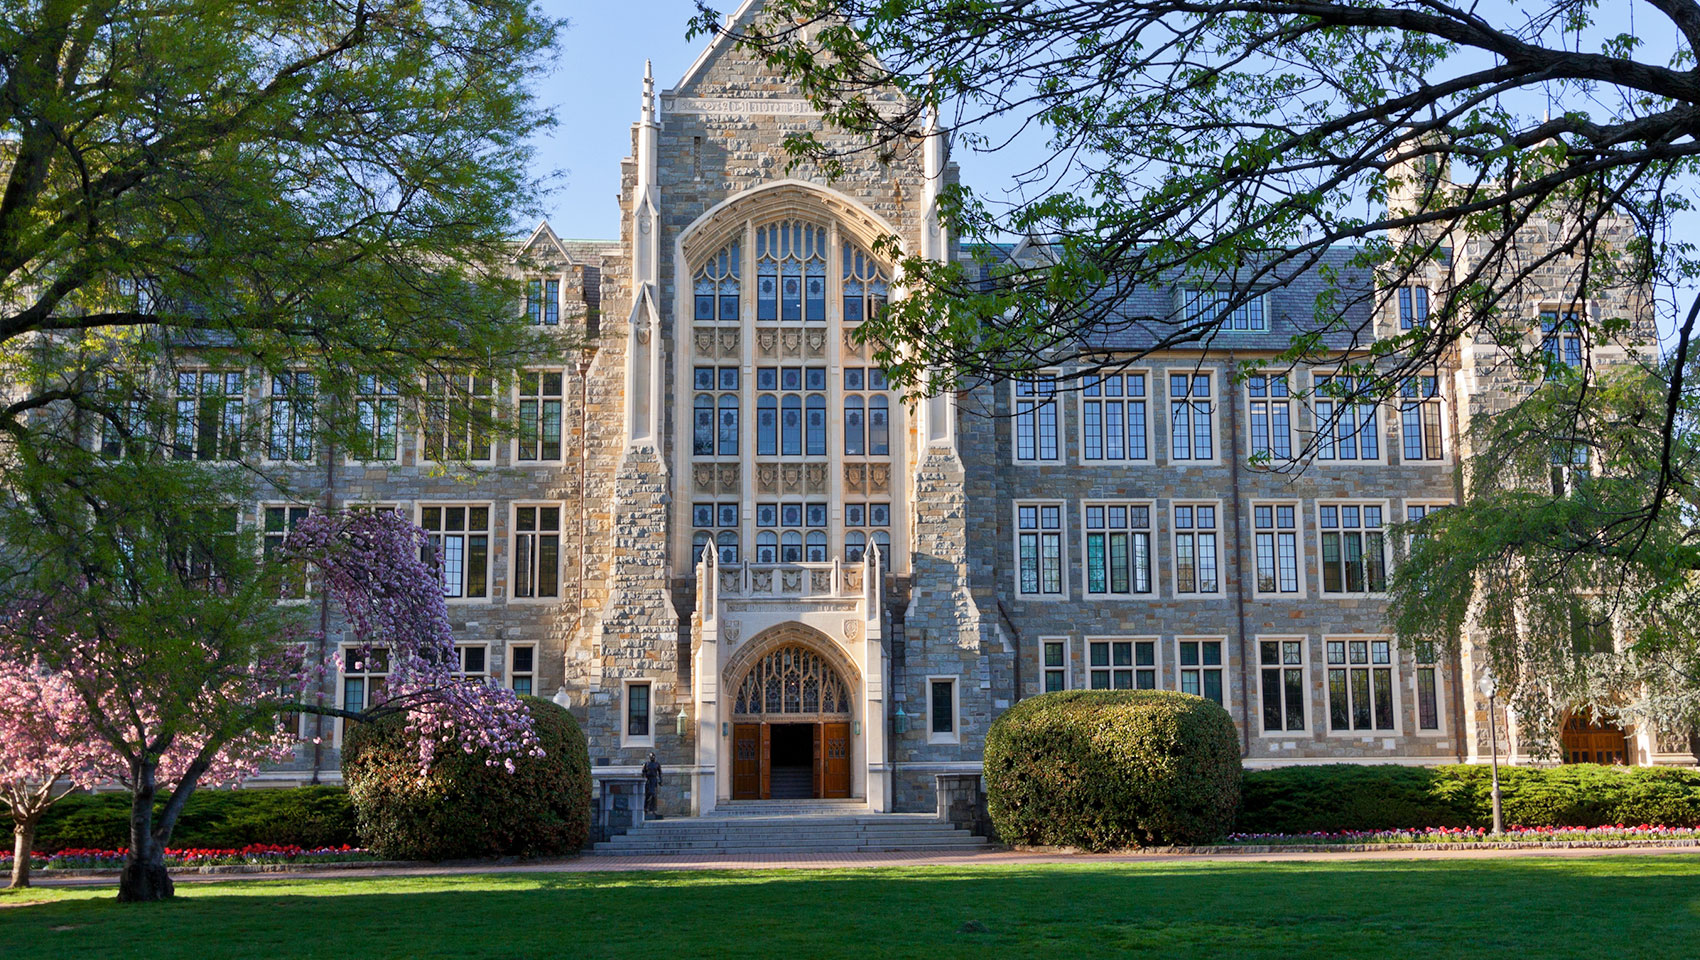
<point x="864" y="285"/>
<point x="728" y="424"/>
<point x="699" y="543"/>
<point x="855" y="544"/>
<point x="816" y="423"/>
<point x="767" y="426"/>
<point x="791" y="272"/>
<point x="767" y="547"/>
<point x="791" y="547"/>
<point x="717" y="286"/>
<point x="727" y="542"/>
<point x="817" y="546"/>
<point x="791" y="426"/>
<point x="879" y="427"/>
<point x="854" y="436"/>
<point x="702" y="433"/>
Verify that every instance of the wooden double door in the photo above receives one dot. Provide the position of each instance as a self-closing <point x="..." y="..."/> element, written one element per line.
<point x="826" y="762"/>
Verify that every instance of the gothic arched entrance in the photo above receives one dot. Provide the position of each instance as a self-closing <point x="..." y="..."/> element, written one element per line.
<point x="791" y="723"/>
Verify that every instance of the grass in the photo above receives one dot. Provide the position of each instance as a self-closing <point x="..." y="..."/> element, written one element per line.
<point x="1616" y="907"/>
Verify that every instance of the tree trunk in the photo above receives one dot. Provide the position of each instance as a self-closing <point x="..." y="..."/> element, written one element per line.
<point x="144" y="878"/>
<point x="23" y="842"/>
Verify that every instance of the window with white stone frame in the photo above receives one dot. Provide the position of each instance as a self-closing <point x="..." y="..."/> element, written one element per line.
<point x="1347" y="424"/>
<point x="537" y="551"/>
<point x="866" y="523"/>
<point x="1281" y="666"/>
<point x="1413" y="307"/>
<point x="538" y="409"/>
<point x="791" y="532"/>
<point x="717" y="523"/>
<point x="1275" y="532"/>
<point x="543" y="302"/>
<point x="1427" y="678"/>
<point x="522" y="669"/>
<point x="290" y="408"/>
<point x="472" y="661"/>
<point x="1561" y="341"/>
<point x="277" y="521"/>
<point x="209" y="415"/>
<point x="1035" y="426"/>
<point x="1117" y="664"/>
<point x="867" y="413"/>
<point x="1194" y="532"/>
<point x="791" y="272"/>
<point x="1113" y="422"/>
<point x="943" y="711"/>
<point x="1192" y="417"/>
<point x="377" y="406"/>
<point x="790" y="411"/>
<point x="1039" y="550"/>
<point x="714" y="411"/>
<point x="1199" y="663"/>
<point x="458" y="540"/>
<point x="1270" y="416"/>
<point x="1055" y="663"/>
<point x="1360" y="685"/>
<point x="458" y="410"/>
<point x="637" y="728"/>
<point x="1118" y="548"/>
<point x="1353" y="541"/>
<point x="364" y="670"/>
<point x="716" y="287"/>
<point x="1420" y="420"/>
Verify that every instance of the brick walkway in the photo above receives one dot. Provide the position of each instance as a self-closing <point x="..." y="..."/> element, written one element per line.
<point x="869" y="860"/>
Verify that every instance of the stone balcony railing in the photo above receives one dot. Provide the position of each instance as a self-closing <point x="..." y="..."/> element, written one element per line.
<point x="791" y="580"/>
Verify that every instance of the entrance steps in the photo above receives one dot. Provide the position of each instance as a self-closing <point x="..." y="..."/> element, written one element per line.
<point x="759" y="832"/>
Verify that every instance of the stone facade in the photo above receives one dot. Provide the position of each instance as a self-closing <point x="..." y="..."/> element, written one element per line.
<point x="941" y="609"/>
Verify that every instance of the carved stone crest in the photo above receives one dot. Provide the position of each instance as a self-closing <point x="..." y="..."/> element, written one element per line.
<point x="728" y="477"/>
<point x="702" y="475"/>
<point x="728" y="343"/>
<point x="791" y="581"/>
<point x="792" y="341"/>
<point x="761" y="581"/>
<point x="855" y="475"/>
<point x="767" y="478"/>
<point x="730" y="629"/>
<point x="766" y="340"/>
<point x="852" y="629"/>
<point x="705" y="342"/>
<point x="817" y="342"/>
<point x="793" y="478"/>
<point x="817" y="477"/>
<point x="820" y="581"/>
<point x="851" y="345"/>
<point x="879" y="477"/>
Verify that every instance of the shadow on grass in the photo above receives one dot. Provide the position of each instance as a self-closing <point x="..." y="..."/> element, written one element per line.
<point x="1539" y="908"/>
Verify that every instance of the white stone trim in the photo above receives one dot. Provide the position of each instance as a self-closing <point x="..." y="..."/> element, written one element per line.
<point x="955" y="734"/>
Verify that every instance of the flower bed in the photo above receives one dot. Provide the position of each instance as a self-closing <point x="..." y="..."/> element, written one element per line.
<point x="1471" y="835"/>
<point x="254" y="853"/>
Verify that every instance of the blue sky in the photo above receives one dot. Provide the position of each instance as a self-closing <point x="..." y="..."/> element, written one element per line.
<point x="595" y="86"/>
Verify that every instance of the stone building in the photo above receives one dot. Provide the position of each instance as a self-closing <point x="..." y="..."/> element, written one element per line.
<point x="722" y="538"/>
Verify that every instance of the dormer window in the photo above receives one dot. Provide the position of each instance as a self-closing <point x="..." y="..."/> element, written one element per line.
<point x="1413" y="307"/>
<point x="543" y="302"/>
<point x="1200" y="307"/>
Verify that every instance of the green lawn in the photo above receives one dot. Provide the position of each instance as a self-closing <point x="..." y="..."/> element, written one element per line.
<point x="1643" y="906"/>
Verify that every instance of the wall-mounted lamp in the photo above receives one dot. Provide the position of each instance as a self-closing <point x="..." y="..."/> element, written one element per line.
<point x="680" y="724"/>
<point x="902" y="722"/>
<point x="725" y="729"/>
<point x="856" y="728"/>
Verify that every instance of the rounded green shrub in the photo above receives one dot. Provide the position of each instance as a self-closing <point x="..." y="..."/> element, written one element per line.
<point x="464" y="807"/>
<point x="318" y="816"/>
<point x="1102" y="769"/>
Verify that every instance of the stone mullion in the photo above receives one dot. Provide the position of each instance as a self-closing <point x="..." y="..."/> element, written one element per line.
<point x="747" y="396"/>
<point x="835" y="395"/>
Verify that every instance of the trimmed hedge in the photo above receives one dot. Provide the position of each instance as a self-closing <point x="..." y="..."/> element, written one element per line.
<point x="304" y="816"/>
<point x="1101" y="769"/>
<point x="1385" y="797"/>
<point x="465" y="808"/>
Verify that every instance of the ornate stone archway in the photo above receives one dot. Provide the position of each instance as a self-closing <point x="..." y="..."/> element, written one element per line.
<point x="791" y="700"/>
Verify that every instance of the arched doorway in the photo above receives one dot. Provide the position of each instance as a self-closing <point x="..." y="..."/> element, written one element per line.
<point x="1589" y="739"/>
<point x="791" y="720"/>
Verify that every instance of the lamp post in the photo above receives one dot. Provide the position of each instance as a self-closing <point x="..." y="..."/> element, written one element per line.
<point x="1489" y="688"/>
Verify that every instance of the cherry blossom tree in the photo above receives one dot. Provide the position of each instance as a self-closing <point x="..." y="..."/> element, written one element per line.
<point x="161" y="615"/>
<point x="47" y="750"/>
